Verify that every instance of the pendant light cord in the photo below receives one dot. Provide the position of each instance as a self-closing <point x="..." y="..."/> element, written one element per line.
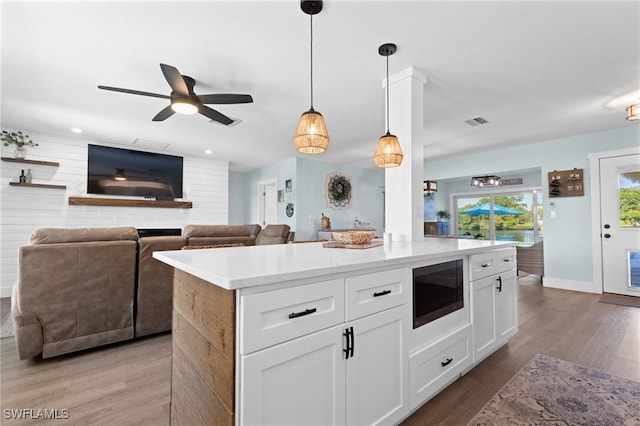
<point x="311" y="60"/>
<point x="387" y="93"/>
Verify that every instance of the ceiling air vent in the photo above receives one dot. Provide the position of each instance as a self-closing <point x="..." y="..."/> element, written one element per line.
<point x="476" y="121"/>
<point x="150" y="144"/>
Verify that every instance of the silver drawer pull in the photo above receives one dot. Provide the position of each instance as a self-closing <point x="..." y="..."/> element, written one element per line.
<point x="301" y="314"/>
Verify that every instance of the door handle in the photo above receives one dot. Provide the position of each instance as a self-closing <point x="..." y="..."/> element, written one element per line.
<point x="607" y="235"/>
<point x="349" y="338"/>
<point x="499" y="279"/>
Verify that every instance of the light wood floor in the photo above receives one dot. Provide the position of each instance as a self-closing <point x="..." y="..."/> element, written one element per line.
<point x="128" y="383"/>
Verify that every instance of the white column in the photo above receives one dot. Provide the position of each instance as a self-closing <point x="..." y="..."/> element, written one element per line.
<point x="404" y="199"/>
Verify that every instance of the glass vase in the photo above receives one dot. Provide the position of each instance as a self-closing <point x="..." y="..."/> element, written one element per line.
<point x="20" y="153"/>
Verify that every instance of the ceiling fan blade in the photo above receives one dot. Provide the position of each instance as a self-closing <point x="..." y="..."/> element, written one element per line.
<point x="225" y="98"/>
<point x="214" y="115"/>
<point x="164" y="114"/>
<point x="175" y="80"/>
<point x="134" y="92"/>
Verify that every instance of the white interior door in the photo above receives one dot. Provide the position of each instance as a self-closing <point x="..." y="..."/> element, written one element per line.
<point x="620" y="224"/>
<point x="267" y="202"/>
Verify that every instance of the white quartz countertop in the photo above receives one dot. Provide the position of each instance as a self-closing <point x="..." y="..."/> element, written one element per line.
<point x="240" y="267"/>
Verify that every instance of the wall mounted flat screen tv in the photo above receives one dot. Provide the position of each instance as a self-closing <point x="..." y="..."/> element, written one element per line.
<point x="117" y="171"/>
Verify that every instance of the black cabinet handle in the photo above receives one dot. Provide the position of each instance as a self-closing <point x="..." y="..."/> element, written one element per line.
<point x="349" y="342"/>
<point x="607" y="235"/>
<point x="507" y="260"/>
<point x="485" y="265"/>
<point x="353" y="342"/>
<point x="499" y="284"/>
<point x="301" y="314"/>
<point x="381" y="293"/>
<point x="447" y="362"/>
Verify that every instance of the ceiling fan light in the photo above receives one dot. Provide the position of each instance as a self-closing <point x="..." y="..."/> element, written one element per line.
<point x="184" y="106"/>
<point x="311" y="136"/>
<point x="388" y="152"/>
<point x="633" y="112"/>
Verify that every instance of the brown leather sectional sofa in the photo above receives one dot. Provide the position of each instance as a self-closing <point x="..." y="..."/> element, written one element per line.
<point x="86" y="287"/>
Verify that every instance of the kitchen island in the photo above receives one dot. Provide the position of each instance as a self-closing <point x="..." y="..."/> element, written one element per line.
<point x="302" y="334"/>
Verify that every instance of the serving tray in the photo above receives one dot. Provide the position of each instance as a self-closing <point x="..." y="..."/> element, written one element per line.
<point x="335" y="244"/>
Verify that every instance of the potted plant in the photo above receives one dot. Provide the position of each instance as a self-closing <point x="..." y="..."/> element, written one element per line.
<point x="443" y="215"/>
<point x="20" y="140"/>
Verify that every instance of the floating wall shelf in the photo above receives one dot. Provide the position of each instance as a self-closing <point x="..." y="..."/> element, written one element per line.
<point x="38" y="185"/>
<point x="120" y="202"/>
<point x="21" y="160"/>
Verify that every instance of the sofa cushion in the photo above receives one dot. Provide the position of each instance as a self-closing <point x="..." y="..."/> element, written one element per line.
<point x="154" y="297"/>
<point x="71" y="235"/>
<point x="273" y="234"/>
<point x="216" y="231"/>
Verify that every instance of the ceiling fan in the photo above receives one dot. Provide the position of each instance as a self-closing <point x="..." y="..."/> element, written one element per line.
<point x="184" y="100"/>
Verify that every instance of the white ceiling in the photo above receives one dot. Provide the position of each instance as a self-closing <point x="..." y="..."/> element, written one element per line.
<point x="535" y="70"/>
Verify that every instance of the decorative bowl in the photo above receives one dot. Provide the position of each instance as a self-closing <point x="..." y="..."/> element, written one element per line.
<point x="354" y="237"/>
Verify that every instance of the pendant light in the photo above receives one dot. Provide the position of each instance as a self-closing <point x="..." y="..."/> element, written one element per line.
<point x="633" y="112"/>
<point x="388" y="152"/>
<point x="311" y="136"/>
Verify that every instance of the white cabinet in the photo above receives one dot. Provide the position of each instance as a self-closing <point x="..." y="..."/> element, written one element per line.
<point x="436" y="365"/>
<point x="301" y="381"/>
<point x="377" y="379"/>
<point x="354" y="373"/>
<point x="493" y="301"/>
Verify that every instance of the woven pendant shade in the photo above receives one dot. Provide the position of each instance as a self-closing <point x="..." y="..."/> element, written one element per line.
<point x="633" y="112"/>
<point x="311" y="136"/>
<point x="388" y="152"/>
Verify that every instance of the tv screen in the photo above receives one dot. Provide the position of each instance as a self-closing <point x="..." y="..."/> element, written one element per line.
<point x="117" y="171"/>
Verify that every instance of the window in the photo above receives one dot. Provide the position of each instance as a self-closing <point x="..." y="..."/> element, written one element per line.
<point x="500" y="216"/>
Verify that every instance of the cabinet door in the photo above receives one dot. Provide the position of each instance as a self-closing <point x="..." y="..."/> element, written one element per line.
<point x="301" y="381"/>
<point x="483" y="307"/>
<point x="507" y="306"/>
<point x="377" y="374"/>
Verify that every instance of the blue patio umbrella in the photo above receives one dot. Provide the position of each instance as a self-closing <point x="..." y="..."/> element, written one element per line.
<point x="483" y="210"/>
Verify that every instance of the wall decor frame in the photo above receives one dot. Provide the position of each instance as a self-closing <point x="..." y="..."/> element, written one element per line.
<point x="566" y="183"/>
<point x="338" y="190"/>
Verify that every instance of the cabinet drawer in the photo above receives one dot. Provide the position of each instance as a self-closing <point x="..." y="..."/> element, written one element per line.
<point x="371" y="293"/>
<point x="482" y="265"/>
<point x="280" y="315"/>
<point x="505" y="259"/>
<point x="436" y="365"/>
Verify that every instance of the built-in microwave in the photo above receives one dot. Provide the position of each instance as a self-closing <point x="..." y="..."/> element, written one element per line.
<point x="437" y="291"/>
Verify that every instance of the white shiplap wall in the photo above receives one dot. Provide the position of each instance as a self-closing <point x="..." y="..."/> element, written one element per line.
<point x="25" y="209"/>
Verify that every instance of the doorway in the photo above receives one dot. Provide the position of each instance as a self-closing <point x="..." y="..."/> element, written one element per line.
<point x="267" y="202"/>
<point x="616" y="227"/>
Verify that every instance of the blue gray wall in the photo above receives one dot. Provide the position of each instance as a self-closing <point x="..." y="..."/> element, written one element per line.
<point x="308" y="196"/>
<point x="568" y="247"/>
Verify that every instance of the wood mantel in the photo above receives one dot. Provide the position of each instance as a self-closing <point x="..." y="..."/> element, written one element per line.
<point x="121" y="202"/>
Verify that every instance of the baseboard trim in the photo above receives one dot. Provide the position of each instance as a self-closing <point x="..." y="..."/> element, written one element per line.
<point x="584" y="286"/>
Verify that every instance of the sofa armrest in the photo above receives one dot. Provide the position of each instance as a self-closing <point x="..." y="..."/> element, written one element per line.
<point x="27" y="329"/>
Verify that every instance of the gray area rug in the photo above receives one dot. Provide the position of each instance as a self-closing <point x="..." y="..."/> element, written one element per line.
<point x="6" y="329"/>
<point x="550" y="391"/>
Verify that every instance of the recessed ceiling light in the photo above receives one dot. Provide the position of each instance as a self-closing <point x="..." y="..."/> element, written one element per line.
<point x="76" y="130"/>
<point x="208" y="151"/>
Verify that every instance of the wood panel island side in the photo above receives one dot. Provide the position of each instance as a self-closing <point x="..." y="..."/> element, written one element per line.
<point x="295" y="334"/>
